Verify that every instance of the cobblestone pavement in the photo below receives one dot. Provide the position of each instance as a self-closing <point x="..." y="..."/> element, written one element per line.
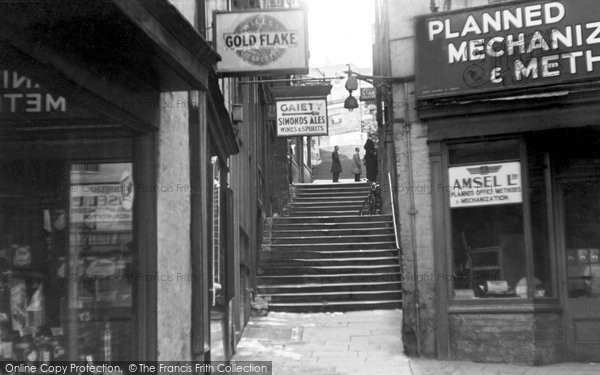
<point x="363" y="342"/>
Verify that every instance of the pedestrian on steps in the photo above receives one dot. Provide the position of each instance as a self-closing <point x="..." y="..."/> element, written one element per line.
<point x="357" y="166"/>
<point x="336" y="165"/>
<point x="371" y="160"/>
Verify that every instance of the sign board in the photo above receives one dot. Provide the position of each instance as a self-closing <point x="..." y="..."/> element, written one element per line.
<point x="485" y="185"/>
<point x="302" y="117"/>
<point x="367" y="94"/>
<point x="261" y="42"/>
<point x="20" y="95"/>
<point x="508" y="46"/>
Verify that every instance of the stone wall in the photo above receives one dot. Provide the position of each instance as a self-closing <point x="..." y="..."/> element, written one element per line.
<point x="173" y="222"/>
<point x="527" y="338"/>
<point x="492" y="338"/>
<point x="549" y="346"/>
<point x="279" y="176"/>
<point x="415" y="161"/>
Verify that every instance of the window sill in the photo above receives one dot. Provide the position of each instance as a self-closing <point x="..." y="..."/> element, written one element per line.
<point x="505" y="306"/>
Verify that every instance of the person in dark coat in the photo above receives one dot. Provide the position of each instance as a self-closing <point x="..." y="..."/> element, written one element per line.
<point x="336" y="165"/>
<point x="371" y="160"/>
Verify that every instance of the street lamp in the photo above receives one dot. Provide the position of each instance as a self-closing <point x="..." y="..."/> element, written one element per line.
<point x="351" y="84"/>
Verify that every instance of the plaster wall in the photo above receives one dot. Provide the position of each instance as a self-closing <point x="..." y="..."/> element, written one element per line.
<point x="174" y="281"/>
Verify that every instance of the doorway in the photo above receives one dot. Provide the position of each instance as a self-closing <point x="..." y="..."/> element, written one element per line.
<point x="579" y="206"/>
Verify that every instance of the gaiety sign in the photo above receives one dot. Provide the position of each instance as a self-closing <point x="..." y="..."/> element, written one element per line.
<point x="302" y="117"/>
<point x="259" y="42"/>
<point x="486" y="184"/>
<point x="511" y="46"/>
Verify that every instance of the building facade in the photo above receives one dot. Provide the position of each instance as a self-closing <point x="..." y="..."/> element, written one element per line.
<point x="132" y="199"/>
<point x="496" y="140"/>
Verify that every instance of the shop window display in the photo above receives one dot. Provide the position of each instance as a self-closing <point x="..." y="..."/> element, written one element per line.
<point x="487" y="220"/>
<point x="582" y="205"/>
<point x="66" y="260"/>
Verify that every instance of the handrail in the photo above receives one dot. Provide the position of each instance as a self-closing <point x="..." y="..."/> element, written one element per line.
<point x="393" y="211"/>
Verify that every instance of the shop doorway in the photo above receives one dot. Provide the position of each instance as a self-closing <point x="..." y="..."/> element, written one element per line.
<point x="579" y="229"/>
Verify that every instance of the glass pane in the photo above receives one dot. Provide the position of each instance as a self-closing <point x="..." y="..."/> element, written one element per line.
<point x="582" y="236"/>
<point x="65" y="260"/>
<point x="483" y="152"/>
<point x="33" y="219"/>
<point x="542" y="258"/>
<point x="99" y="266"/>
<point x="489" y="251"/>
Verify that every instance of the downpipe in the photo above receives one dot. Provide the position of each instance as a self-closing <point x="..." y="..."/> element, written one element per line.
<point x="413" y="213"/>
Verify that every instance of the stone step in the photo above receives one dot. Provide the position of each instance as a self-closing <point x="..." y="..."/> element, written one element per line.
<point x="301" y="262"/>
<point x="364" y="295"/>
<point x="327" y="232"/>
<point x="335" y="306"/>
<point x="318" y="213"/>
<point x="330" y="219"/>
<point x="326" y="203"/>
<point x="345" y="198"/>
<point x="332" y="186"/>
<point x="331" y="270"/>
<point x="329" y="287"/>
<point x="333" y="226"/>
<point x="348" y="238"/>
<point x="332" y="246"/>
<point x="310" y="208"/>
<point x="332" y="195"/>
<point x="328" y="278"/>
<point x="321" y="254"/>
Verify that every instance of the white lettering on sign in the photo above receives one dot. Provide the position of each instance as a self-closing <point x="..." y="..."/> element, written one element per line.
<point x="486" y="184"/>
<point x="522" y="44"/>
<point x="505" y="20"/>
<point x="19" y="94"/>
<point x="302" y="117"/>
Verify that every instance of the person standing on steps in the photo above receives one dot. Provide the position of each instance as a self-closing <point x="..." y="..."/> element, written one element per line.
<point x="357" y="166"/>
<point x="336" y="165"/>
<point x="371" y="160"/>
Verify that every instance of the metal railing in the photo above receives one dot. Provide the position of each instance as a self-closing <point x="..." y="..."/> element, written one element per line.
<point x="393" y="210"/>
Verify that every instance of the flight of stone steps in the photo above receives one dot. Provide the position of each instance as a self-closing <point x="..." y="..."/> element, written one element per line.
<point x="323" y="256"/>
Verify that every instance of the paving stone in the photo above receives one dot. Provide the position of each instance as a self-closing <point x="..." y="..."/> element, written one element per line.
<point x="358" y="343"/>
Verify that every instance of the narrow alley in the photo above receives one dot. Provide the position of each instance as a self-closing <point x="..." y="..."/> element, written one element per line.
<point x="335" y="187"/>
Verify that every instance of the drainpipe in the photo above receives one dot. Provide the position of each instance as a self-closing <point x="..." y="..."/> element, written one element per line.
<point x="413" y="215"/>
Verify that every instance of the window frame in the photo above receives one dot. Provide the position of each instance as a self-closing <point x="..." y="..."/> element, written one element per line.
<point x="527" y="224"/>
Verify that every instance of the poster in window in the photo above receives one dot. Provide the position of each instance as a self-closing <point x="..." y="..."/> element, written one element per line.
<point x="485" y="184"/>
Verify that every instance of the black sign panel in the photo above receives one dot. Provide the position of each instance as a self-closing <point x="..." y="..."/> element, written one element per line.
<point x="505" y="47"/>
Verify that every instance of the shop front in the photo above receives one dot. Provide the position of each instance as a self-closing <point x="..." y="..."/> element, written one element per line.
<point x="515" y="168"/>
<point x="107" y="111"/>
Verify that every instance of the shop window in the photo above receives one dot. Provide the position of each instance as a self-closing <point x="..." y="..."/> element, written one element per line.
<point x="66" y="259"/>
<point x="486" y="203"/>
<point x="542" y="258"/>
<point x="582" y="205"/>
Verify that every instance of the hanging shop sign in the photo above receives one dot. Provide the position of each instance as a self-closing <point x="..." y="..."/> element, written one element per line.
<point x="302" y="117"/>
<point x="507" y="47"/>
<point x="485" y="184"/>
<point x="367" y="94"/>
<point x="264" y="42"/>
